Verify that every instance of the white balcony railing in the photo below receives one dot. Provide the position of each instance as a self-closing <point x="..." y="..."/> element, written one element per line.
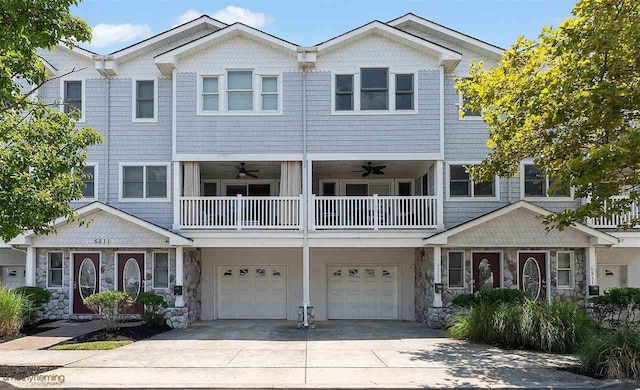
<point x="240" y="212"/>
<point x="614" y="221"/>
<point x="375" y="212"/>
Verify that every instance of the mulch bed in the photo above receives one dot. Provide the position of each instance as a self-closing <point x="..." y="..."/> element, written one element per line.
<point x="129" y="333"/>
<point x="21" y="372"/>
<point x="29" y="330"/>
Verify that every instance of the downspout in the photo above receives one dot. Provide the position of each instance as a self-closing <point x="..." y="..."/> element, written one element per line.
<point x="108" y="144"/>
<point x="305" y="208"/>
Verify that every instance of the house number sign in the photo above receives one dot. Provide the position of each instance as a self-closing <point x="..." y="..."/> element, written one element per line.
<point x="103" y="241"/>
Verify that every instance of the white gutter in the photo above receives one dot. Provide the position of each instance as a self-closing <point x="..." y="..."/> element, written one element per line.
<point x="107" y="133"/>
<point x="305" y="208"/>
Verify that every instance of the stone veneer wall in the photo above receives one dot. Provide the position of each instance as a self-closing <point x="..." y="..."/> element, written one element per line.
<point x="442" y="317"/>
<point x="58" y="305"/>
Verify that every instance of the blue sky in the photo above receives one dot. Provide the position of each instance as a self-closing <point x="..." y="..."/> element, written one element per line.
<point x="118" y="23"/>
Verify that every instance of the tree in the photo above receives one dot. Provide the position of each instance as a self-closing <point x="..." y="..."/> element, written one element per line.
<point x="42" y="153"/>
<point x="571" y="100"/>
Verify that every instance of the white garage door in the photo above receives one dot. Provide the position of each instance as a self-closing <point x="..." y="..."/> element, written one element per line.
<point x="252" y="292"/>
<point x="356" y="292"/>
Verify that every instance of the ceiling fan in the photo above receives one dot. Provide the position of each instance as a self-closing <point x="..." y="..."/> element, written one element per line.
<point x="244" y="172"/>
<point x="370" y="169"/>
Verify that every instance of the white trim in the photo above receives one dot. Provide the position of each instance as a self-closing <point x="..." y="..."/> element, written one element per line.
<point x="466" y="117"/>
<point x="442" y="111"/>
<point x="278" y="93"/>
<point x="134" y="97"/>
<point x="174" y="111"/>
<point x="209" y="181"/>
<point x="599" y="238"/>
<point x="373" y="156"/>
<point x="96" y="183"/>
<point x="238" y="157"/>
<point x="200" y="88"/>
<point x="464" y="270"/>
<point x="571" y="270"/>
<point x="445" y="30"/>
<point x="174" y="239"/>
<point x="471" y="197"/>
<point x="224" y="183"/>
<point x="546" y="197"/>
<point x="48" y="268"/>
<point x="144" y="166"/>
<point x="335" y="182"/>
<point x="153" y="271"/>
<point x="83" y="84"/>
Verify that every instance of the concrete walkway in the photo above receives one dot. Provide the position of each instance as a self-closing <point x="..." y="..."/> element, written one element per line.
<point x="64" y="330"/>
<point x="336" y="354"/>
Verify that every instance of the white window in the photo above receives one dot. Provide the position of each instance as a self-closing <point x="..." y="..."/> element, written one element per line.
<point x="160" y="270"/>
<point x="269" y="98"/>
<point x="240" y="90"/>
<point x="144" y="182"/>
<point x="404" y="92"/>
<point x="455" y="267"/>
<point x="210" y="94"/>
<point x="468" y="114"/>
<point x="535" y="184"/>
<point x="344" y="92"/>
<point x="565" y="269"/>
<point x="145" y="101"/>
<point x="72" y="95"/>
<point x="89" y="180"/>
<point x="374" y="89"/>
<point x="461" y="186"/>
<point x="54" y="269"/>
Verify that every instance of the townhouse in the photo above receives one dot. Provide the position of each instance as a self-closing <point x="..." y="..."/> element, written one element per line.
<point x="246" y="177"/>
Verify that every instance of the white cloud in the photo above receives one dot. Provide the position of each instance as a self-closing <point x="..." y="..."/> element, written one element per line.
<point x="233" y="14"/>
<point x="187" y="17"/>
<point x="109" y="34"/>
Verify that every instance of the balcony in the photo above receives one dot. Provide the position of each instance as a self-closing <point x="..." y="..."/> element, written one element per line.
<point x="614" y="221"/>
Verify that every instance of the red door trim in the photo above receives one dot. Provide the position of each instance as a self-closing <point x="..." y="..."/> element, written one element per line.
<point x="546" y="286"/>
<point x="119" y="267"/>
<point x="73" y="280"/>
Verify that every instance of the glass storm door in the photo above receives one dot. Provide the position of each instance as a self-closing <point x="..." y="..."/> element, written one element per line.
<point x="533" y="271"/>
<point x="86" y="279"/>
<point x="130" y="271"/>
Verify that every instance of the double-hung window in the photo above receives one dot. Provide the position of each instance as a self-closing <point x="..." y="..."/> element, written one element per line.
<point x="144" y="182"/>
<point x="145" y="100"/>
<point x="404" y="92"/>
<point x="344" y="92"/>
<point x="565" y="269"/>
<point x="240" y="90"/>
<point x="461" y="185"/>
<point x="73" y="97"/>
<point x="54" y="269"/>
<point x="374" y="89"/>
<point x="210" y="93"/>
<point x="539" y="185"/>
<point x="468" y="113"/>
<point x="160" y="270"/>
<point x="89" y="180"/>
<point x="455" y="267"/>
<point x="269" y="93"/>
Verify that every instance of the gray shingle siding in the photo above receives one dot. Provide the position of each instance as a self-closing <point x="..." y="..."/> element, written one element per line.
<point x="401" y="133"/>
<point x="206" y="134"/>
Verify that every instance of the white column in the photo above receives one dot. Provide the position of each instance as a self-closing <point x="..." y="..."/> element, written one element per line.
<point x="437" y="275"/>
<point x="30" y="267"/>
<point x="439" y="173"/>
<point x="177" y="193"/>
<point x="180" y="274"/>
<point x="592" y="268"/>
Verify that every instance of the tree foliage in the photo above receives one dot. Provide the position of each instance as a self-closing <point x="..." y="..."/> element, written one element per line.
<point x="571" y="101"/>
<point x="42" y="152"/>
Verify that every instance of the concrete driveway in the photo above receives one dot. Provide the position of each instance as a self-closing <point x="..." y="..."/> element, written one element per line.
<point x="335" y="354"/>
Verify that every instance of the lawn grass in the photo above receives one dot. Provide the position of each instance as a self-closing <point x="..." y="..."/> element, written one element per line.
<point x="92" y="345"/>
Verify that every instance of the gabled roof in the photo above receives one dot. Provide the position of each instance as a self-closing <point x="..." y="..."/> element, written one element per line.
<point x="446" y="33"/>
<point x="449" y="58"/>
<point x="87" y="54"/>
<point x="597" y="237"/>
<point x="51" y="70"/>
<point x="166" y="61"/>
<point x="174" y="238"/>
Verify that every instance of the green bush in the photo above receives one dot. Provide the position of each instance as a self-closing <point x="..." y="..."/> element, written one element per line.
<point x="492" y="296"/>
<point x="12" y="307"/>
<point x="35" y="297"/>
<point x="558" y="327"/>
<point x="618" y="308"/>
<point x="464" y="300"/>
<point x="613" y="354"/>
<point x="153" y="305"/>
<point x="111" y="305"/>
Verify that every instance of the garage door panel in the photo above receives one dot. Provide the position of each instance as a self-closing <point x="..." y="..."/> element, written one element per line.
<point x="362" y="292"/>
<point x="252" y="292"/>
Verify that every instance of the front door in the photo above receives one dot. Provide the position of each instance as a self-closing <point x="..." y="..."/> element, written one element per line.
<point x="130" y="271"/>
<point x="86" y="279"/>
<point x="486" y="271"/>
<point x="533" y="274"/>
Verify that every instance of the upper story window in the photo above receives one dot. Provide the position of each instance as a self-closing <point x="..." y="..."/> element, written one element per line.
<point x="374" y="89"/>
<point x="344" y="92"/>
<point x="404" y="92"/>
<point x="210" y="93"/>
<point x="144" y="182"/>
<point x="269" y="93"/>
<point x="461" y="185"/>
<point x="535" y="184"/>
<point x="468" y="114"/>
<point x="145" y="100"/>
<point x="240" y="90"/>
<point x="89" y="180"/>
<point x="73" y="97"/>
